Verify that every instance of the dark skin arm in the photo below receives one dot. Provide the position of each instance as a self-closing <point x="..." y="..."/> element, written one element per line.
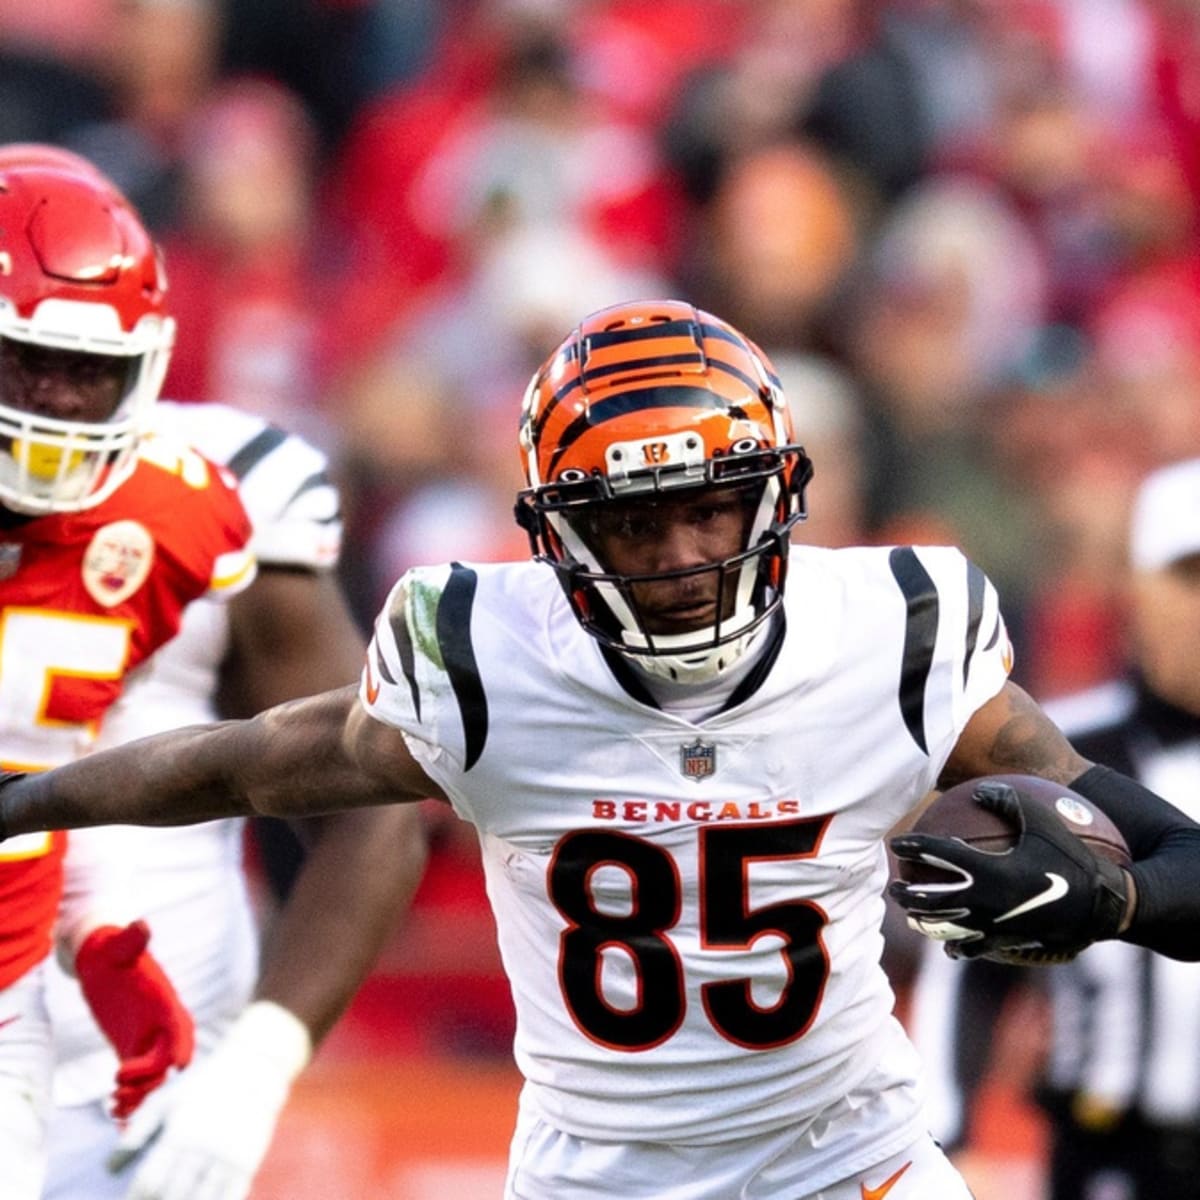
<point x="298" y="759"/>
<point x="292" y="635"/>
<point x="1011" y="734"/>
<point x="324" y="752"/>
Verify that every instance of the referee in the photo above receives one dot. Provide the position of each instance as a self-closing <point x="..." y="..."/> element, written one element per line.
<point x="1121" y="1085"/>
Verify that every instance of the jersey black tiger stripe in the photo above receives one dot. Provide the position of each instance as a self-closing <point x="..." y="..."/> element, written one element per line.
<point x="976" y="585"/>
<point x="995" y="635"/>
<point x="458" y="654"/>
<point x="316" y="481"/>
<point x="255" y="450"/>
<point x="920" y="634"/>
<point x="398" y="621"/>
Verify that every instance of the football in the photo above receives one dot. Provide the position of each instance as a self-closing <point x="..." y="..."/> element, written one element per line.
<point x="955" y="814"/>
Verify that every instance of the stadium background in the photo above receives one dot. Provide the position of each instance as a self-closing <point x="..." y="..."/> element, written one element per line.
<point x="965" y="230"/>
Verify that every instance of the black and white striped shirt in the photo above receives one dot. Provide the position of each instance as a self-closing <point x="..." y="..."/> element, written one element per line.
<point x="1126" y="1022"/>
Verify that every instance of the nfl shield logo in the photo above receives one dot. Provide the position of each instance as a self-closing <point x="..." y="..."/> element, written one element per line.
<point x="697" y="760"/>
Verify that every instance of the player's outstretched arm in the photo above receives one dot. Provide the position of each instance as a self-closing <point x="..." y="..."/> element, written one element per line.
<point x="293" y="760"/>
<point x="290" y="632"/>
<point x="1060" y="894"/>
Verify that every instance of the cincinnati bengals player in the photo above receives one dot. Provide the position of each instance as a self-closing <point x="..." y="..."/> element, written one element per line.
<point x="682" y="743"/>
<point x="106" y="535"/>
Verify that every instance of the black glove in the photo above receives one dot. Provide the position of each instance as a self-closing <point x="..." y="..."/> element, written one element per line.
<point x="1042" y="900"/>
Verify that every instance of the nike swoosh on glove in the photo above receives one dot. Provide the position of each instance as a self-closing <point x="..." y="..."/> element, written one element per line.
<point x="1042" y="900"/>
<point x="138" y="1009"/>
<point x="222" y="1112"/>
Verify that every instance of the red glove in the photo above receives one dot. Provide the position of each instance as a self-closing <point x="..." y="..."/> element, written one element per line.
<point x="137" y="1007"/>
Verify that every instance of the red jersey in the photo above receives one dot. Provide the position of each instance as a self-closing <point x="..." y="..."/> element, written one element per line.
<point x="84" y="598"/>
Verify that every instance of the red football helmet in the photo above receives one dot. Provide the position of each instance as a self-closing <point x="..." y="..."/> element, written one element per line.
<point x="78" y="273"/>
<point x="56" y="158"/>
<point x="641" y="399"/>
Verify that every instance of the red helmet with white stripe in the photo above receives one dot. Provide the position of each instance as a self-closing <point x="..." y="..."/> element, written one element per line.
<point x="82" y="298"/>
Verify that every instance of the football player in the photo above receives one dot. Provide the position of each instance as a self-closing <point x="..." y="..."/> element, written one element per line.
<point x="682" y="743"/>
<point x="288" y="634"/>
<point x="285" y="634"/>
<point x="106" y="535"/>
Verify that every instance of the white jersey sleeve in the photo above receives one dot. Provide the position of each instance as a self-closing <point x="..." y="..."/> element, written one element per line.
<point x="689" y="912"/>
<point x="294" y="509"/>
<point x="283" y="481"/>
<point x="956" y="651"/>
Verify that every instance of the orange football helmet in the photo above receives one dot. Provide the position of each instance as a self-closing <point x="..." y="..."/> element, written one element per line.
<point x="79" y="273"/>
<point x="642" y="399"/>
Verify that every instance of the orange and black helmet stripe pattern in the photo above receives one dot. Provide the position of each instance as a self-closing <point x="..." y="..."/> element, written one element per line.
<point x="643" y="356"/>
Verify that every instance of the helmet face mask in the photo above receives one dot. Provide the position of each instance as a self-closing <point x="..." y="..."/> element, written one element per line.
<point x="85" y="337"/>
<point x="649" y="404"/>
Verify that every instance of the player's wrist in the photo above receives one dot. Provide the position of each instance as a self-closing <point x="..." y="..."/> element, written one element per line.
<point x="271" y="1034"/>
<point x="7" y="779"/>
<point x="1131" y="898"/>
<point x="1111" y="911"/>
<point x="83" y="916"/>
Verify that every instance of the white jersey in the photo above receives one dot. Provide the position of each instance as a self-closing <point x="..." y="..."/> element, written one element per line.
<point x="188" y="881"/>
<point x="689" y="912"/>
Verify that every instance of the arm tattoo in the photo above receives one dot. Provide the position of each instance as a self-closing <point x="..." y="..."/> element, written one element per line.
<point x="1015" y="738"/>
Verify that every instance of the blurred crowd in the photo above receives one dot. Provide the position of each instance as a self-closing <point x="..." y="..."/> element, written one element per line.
<point x="964" y="230"/>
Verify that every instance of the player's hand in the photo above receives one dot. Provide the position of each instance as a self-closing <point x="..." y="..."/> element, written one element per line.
<point x="221" y="1113"/>
<point x="137" y="1007"/>
<point x="1042" y="900"/>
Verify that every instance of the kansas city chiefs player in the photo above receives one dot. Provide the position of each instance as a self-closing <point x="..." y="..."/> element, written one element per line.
<point x="106" y="534"/>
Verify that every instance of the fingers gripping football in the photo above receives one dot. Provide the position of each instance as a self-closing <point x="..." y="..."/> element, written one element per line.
<point x="1041" y="898"/>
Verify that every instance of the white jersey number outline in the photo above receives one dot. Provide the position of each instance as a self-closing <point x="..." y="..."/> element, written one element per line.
<point x="727" y="922"/>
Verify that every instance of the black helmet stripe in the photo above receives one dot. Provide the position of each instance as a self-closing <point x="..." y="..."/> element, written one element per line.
<point x="623" y="403"/>
<point x="571" y="433"/>
<point x="664" y="329"/>
<point x="580" y="381"/>
<point x="651" y="331"/>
